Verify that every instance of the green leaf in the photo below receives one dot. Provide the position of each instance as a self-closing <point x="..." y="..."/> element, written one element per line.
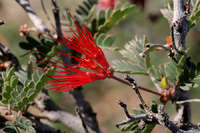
<point x="108" y="41"/>
<point x="100" y="38"/>
<point x="116" y="16"/>
<point x="29" y="70"/>
<point x="22" y="124"/>
<point x="7" y="87"/>
<point x="180" y="69"/>
<point x="108" y="13"/>
<point x="171" y="74"/>
<point x="101" y="17"/>
<point x="148" y="128"/>
<point x="132" y="62"/>
<point x="91" y="12"/>
<point x="195" y="15"/>
<point x="129" y="127"/>
<point x="86" y="9"/>
<point x="10" y="130"/>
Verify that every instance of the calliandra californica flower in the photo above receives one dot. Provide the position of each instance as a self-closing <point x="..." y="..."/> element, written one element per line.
<point x="92" y="60"/>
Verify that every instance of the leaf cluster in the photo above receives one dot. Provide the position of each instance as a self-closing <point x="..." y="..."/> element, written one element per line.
<point x="20" y="88"/>
<point x="99" y="22"/>
<point x="22" y="124"/>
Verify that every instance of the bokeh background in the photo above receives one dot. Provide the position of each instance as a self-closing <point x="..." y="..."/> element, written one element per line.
<point x="104" y="95"/>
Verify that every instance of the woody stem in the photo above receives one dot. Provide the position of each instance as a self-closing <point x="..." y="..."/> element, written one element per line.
<point x="141" y="88"/>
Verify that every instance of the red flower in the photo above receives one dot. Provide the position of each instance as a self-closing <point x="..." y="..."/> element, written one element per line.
<point x="92" y="59"/>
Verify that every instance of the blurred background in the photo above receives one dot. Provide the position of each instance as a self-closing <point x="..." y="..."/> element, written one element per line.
<point x="104" y="95"/>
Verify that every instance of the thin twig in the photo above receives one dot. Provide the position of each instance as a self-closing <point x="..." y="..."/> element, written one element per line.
<point x="136" y="89"/>
<point x="152" y="46"/>
<point x="56" y="11"/>
<point x="130" y="118"/>
<point x="141" y="88"/>
<point x="188" y="101"/>
<point x="161" y="118"/>
<point x="46" y="13"/>
<point x="158" y="87"/>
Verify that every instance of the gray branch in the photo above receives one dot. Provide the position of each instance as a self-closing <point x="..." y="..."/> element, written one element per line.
<point x="188" y="101"/>
<point x="179" y="32"/>
<point x="38" y="23"/>
<point x="53" y="113"/>
<point x="160" y="118"/>
<point x="179" y="25"/>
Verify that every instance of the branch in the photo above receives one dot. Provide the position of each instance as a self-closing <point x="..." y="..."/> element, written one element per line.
<point x="46" y="13"/>
<point x="25" y="4"/>
<point x="179" y="31"/>
<point x="179" y="25"/>
<point x="153" y="46"/>
<point x="188" y="101"/>
<point x="41" y="127"/>
<point x="160" y="118"/>
<point x="130" y="118"/>
<point x="53" y="113"/>
<point x="136" y="89"/>
<point x="56" y="11"/>
<point x="85" y="110"/>
<point x="179" y="116"/>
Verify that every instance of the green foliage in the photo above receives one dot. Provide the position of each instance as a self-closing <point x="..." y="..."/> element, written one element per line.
<point x="85" y="7"/>
<point x="19" y="90"/>
<point x="195" y="14"/>
<point x="117" y="15"/>
<point x="134" y="126"/>
<point x="184" y="73"/>
<point x="100" y="22"/>
<point x="132" y="62"/>
<point x="104" y="40"/>
<point x="21" y="124"/>
<point x="167" y="70"/>
<point x="187" y="73"/>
